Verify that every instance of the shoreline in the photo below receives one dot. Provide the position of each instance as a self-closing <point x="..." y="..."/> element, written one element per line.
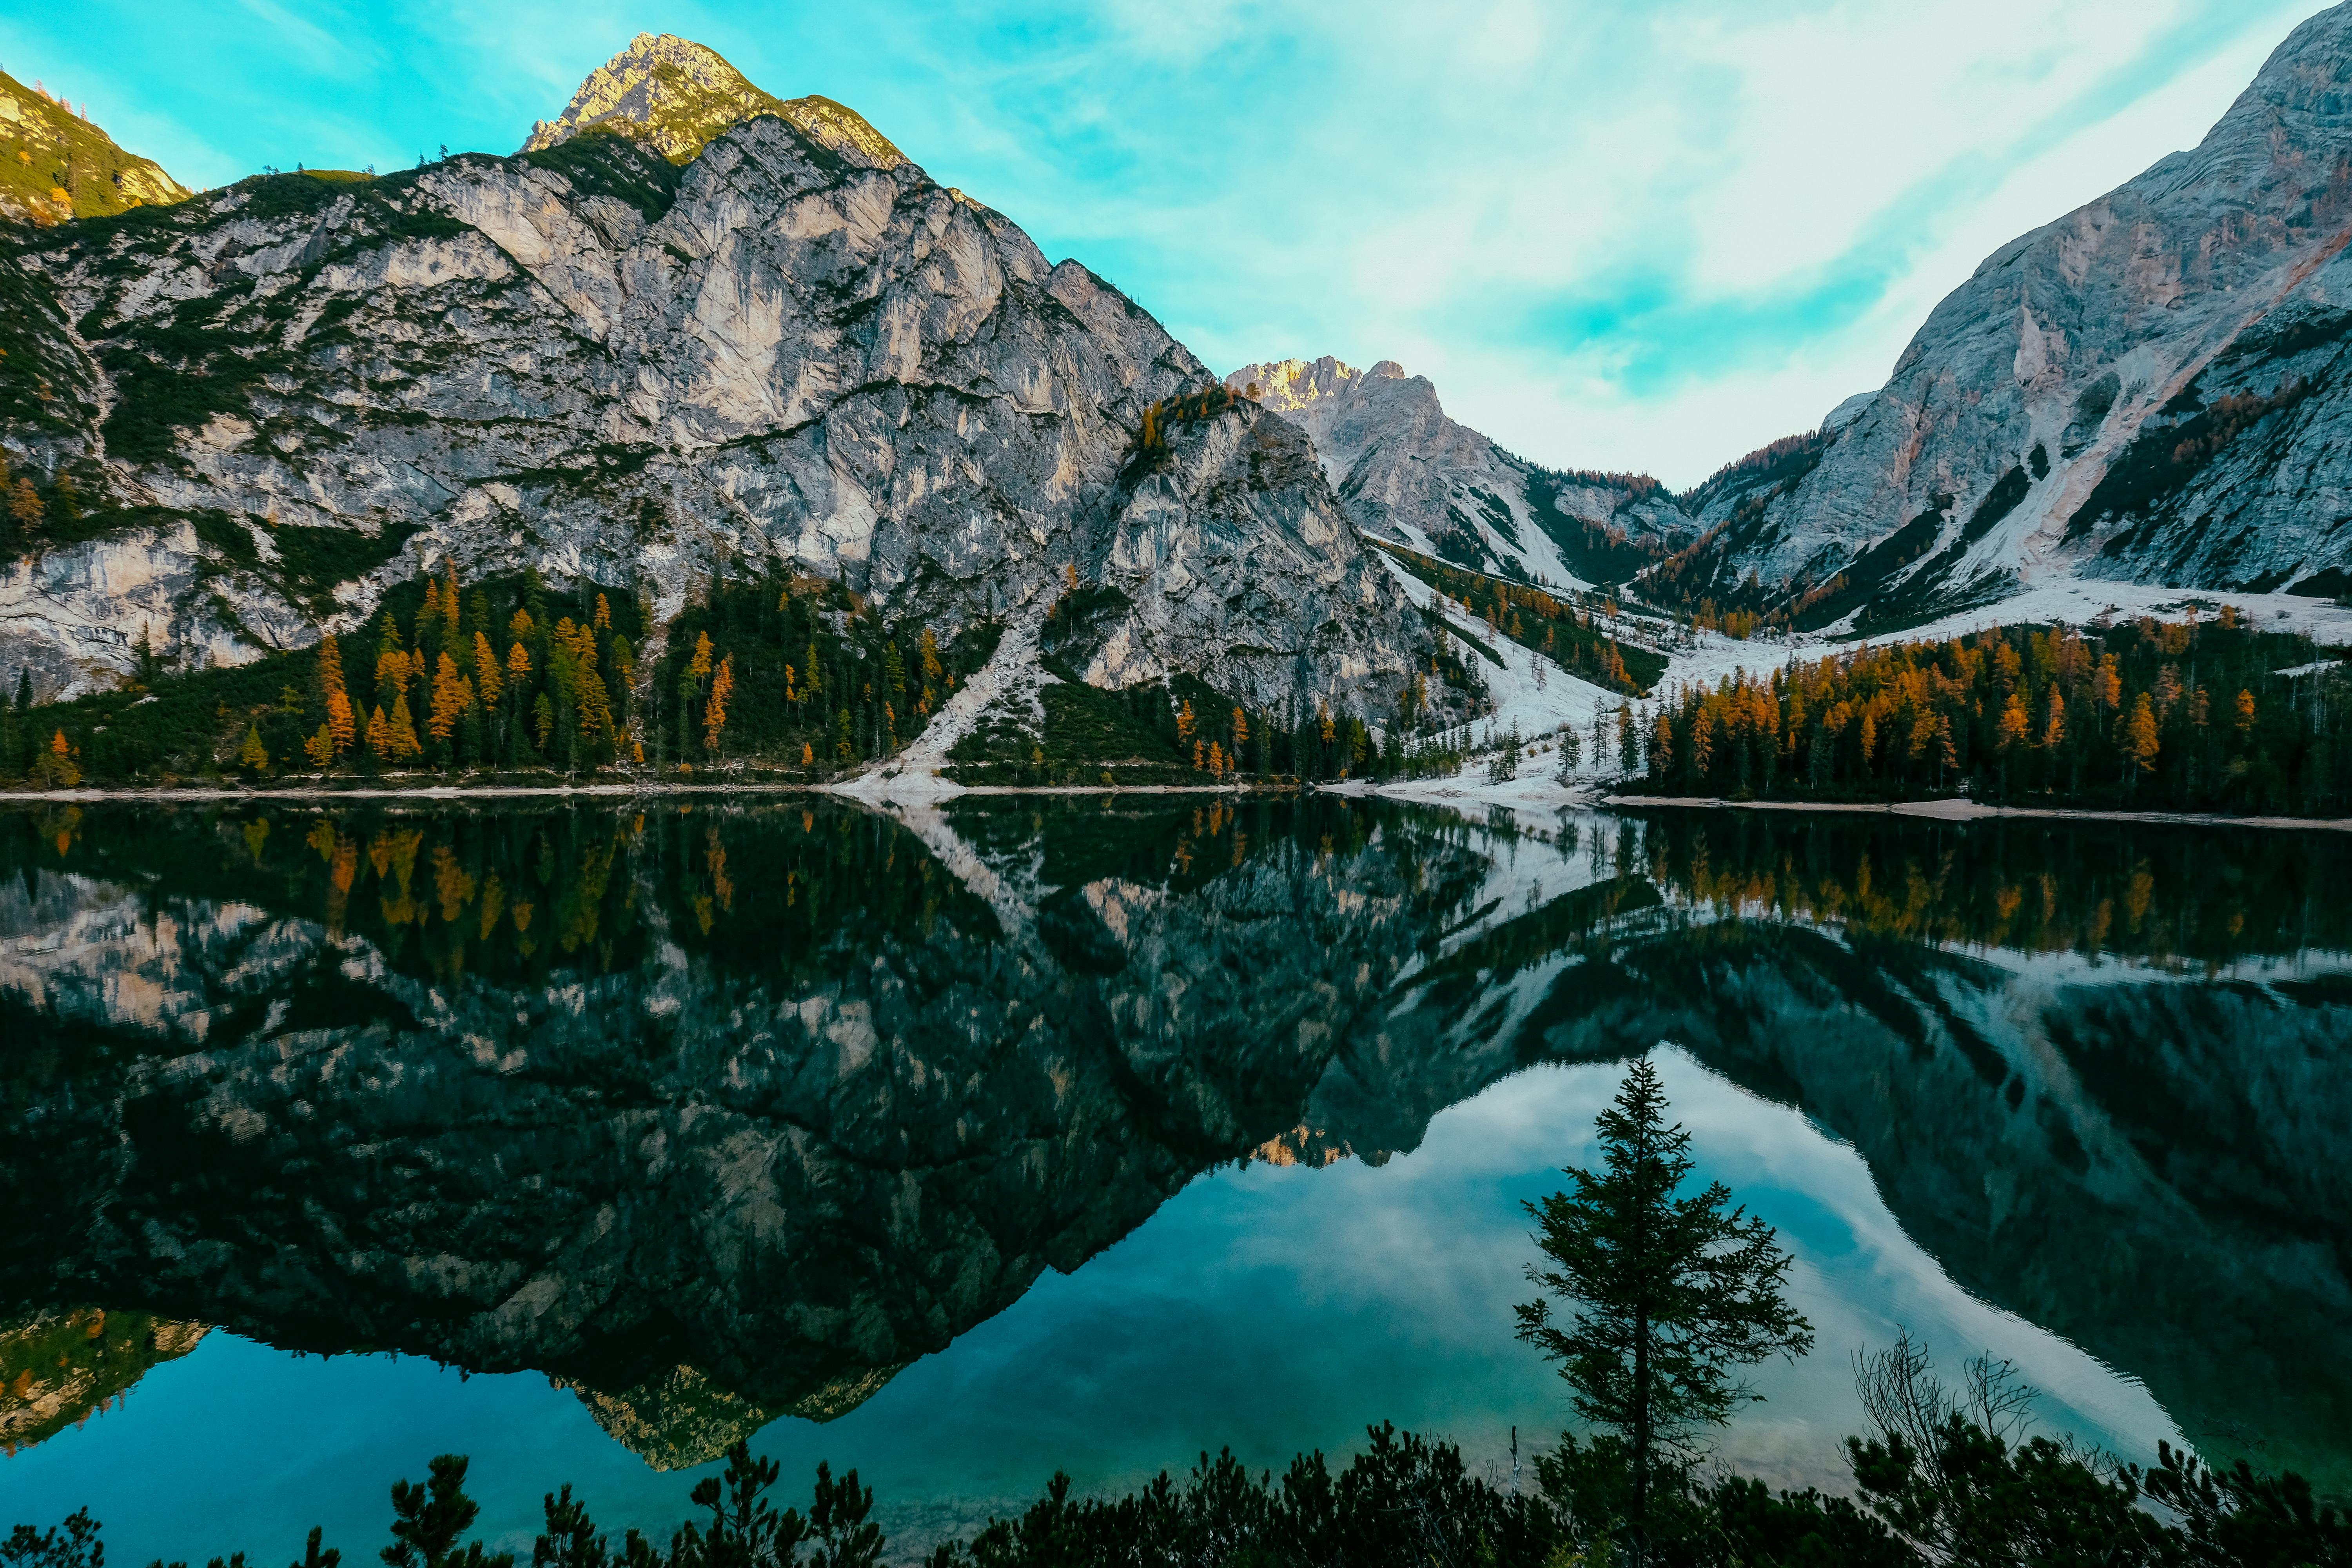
<point x="1953" y="810"/>
<point x="932" y="790"/>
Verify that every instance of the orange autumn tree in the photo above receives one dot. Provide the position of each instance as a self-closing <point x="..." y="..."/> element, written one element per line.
<point x="452" y="695"/>
<point x="714" y="711"/>
<point x="485" y="670"/>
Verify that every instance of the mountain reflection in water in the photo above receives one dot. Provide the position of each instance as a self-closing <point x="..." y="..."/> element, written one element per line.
<point x="717" y="1115"/>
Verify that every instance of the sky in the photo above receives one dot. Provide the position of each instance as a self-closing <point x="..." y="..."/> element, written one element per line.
<point x="1635" y="235"/>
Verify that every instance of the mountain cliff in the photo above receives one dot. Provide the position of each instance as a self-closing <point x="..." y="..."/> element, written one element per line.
<point x="1406" y="472"/>
<point x="2152" y="388"/>
<point x="794" y="353"/>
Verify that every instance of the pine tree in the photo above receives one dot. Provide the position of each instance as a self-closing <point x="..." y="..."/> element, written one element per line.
<point x="570" y="1538"/>
<point x="55" y="768"/>
<point x="253" y="756"/>
<point x="390" y="666"/>
<point x="401" y="732"/>
<point x="1669" y="1294"/>
<point x="429" y="1518"/>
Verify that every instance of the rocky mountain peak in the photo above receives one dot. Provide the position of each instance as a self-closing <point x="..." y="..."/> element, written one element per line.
<point x="1284" y="386"/>
<point x="676" y="96"/>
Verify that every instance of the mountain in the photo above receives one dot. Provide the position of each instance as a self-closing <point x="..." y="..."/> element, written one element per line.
<point x="56" y="165"/>
<point x="794" y="353"/>
<point x="1407" y="473"/>
<point x="2152" y="388"/>
<point x="676" y="97"/>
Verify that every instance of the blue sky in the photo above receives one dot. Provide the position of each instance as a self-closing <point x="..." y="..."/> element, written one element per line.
<point x="1623" y="234"/>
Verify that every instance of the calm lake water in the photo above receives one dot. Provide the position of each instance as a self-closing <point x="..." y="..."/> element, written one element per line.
<point x="960" y="1146"/>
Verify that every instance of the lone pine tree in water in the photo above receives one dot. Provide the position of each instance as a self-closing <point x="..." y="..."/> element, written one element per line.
<point x="1668" y="1294"/>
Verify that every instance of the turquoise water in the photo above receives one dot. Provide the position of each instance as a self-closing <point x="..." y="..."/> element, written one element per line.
<point x="1133" y="1022"/>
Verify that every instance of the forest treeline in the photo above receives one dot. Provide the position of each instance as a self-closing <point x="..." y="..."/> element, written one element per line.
<point x="511" y="677"/>
<point x="2206" y="715"/>
<point x="1938" y="1487"/>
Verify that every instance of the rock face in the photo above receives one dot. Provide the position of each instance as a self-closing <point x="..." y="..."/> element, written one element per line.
<point x="1231" y="559"/>
<point x="797" y="351"/>
<point x="56" y="165"/>
<point x="2152" y="387"/>
<point x="1407" y="473"/>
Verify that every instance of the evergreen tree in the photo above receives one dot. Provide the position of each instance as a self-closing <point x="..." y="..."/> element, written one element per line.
<point x="427" y="1519"/>
<point x="1668" y="1294"/>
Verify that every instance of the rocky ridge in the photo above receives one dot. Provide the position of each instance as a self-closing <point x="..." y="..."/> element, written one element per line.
<point x="2151" y="388"/>
<point x="795" y="353"/>
<point x="1405" y="472"/>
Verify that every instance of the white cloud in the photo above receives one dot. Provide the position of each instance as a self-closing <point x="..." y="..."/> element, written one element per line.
<point x="1615" y="234"/>
<point x="1611" y="242"/>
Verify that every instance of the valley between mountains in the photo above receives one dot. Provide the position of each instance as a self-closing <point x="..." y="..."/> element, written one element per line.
<point x="705" y="431"/>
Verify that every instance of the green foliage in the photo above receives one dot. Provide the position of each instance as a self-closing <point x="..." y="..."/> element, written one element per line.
<point x="2172" y="447"/>
<point x="1596" y="552"/>
<point x="428" y="1519"/>
<point x="313" y="561"/>
<point x="1580" y="643"/>
<point x="71" y="154"/>
<point x="603" y="162"/>
<point x="57" y="1367"/>
<point x="178" y="724"/>
<point x="45" y="383"/>
<point x="178" y="371"/>
<point x="1669" y="1292"/>
<point x="75" y="1543"/>
<point x="1967" y="1497"/>
<point x="811" y="664"/>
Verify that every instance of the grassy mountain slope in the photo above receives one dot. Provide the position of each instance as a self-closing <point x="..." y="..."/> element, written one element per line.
<point x="55" y="165"/>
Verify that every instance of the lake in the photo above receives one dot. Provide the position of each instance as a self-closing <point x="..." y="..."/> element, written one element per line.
<point x="965" y="1144"/>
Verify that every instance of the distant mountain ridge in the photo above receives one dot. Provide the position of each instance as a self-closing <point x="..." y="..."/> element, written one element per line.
<point x="1407" y="473"/>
